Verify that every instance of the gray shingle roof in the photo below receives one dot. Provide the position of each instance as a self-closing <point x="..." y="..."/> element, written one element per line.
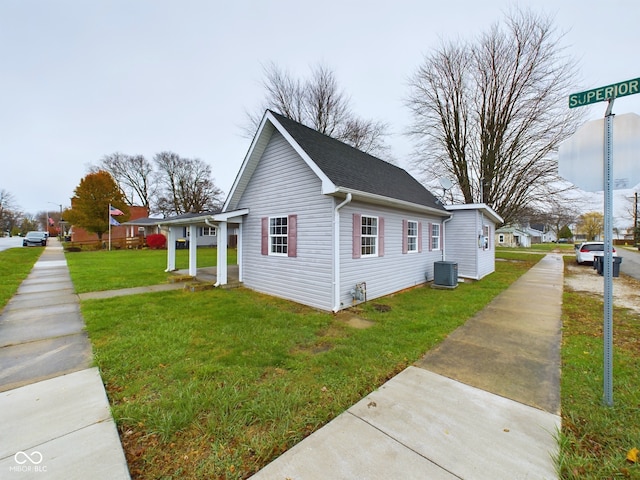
<point x="353" y="169"/>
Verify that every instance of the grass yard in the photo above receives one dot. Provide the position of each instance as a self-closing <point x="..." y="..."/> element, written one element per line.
<point x="15" y="265"/>
<point x="216" y="384"/>
<point x="596" y="439"/>
<point x="564" y="248"/>
<point x="93" y="271"/>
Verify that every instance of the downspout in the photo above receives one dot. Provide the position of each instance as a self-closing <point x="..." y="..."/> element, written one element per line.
<point x="336" y="253"/>
<point x="444" y="237"/>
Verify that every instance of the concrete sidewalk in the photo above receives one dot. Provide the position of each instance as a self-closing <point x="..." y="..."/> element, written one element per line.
<point x="55" y="416"/>
<point x="423" y="424"/>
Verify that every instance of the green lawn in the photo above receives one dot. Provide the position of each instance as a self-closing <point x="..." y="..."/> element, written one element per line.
<point x="218" y="383"/>
<point x="564" y="248"/>
<point x="93" y="271"/>
<point x="595" y="439"/>
<point x="15" y="265"/>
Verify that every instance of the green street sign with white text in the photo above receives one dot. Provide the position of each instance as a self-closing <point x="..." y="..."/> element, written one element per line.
<point x="602" y="94"/>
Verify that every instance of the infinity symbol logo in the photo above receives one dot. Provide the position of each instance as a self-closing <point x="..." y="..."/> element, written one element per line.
<point x="35" y="458"/>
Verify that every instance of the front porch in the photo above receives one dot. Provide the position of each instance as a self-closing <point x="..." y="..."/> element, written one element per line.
<point x="224" y="224"/>
<point x="210" y="275"/>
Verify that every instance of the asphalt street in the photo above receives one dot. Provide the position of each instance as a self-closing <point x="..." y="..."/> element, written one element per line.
<point x="630" y="262"/>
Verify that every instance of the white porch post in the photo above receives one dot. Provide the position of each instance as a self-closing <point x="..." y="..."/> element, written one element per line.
<point x="171" y="250"/>
<point x="222" y="253"/>
<point x="239" y="251"/>
<point x="193" y="247"/>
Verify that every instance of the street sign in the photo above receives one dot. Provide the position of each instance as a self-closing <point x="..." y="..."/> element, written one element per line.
<point x="603" y="94"/>
<point x="580" y="156"/>
<point x="609" y="94"/>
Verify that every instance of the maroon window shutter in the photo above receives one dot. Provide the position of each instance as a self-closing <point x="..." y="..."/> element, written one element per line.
<point x="430" y="234"/>
<point x="265" y="236"/>
<point x="357" y="231"/>
<point x="380" y="237"/>
<point x="442" y="237"/>
<point x="419" y="237"/>
<point x="292" y="236"/>
<point x="405" y="234"/>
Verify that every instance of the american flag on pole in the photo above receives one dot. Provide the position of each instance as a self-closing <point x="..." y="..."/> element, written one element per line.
<point x="113" y="221"/>
<point x="115" y="211"/>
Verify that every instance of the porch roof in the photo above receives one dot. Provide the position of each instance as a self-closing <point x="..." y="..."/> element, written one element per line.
<point x="233" y="216"/>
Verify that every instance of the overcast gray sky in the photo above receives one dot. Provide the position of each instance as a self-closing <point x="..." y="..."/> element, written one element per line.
<point x="83" y="78"/>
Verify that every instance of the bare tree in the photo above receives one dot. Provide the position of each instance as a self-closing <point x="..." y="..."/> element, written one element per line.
<point x="185" y="185"/>
<point x="559" y="212"/>
<point x="9" y="212"/>
<point x="319" y="103"/>
<point x="134" y="175"/>
<point x="490" y="114"/>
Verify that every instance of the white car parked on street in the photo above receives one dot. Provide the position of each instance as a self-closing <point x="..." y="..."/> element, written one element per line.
<point x="587" y="250"/>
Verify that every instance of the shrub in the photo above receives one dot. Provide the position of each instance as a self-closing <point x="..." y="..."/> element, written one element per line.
<point x="156" y="240"/>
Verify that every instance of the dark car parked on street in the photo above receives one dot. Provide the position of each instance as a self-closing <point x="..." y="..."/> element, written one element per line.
<point x="35" y="239"/>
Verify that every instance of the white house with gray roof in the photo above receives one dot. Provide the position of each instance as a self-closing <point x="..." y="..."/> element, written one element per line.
<point x="324" y="224"/>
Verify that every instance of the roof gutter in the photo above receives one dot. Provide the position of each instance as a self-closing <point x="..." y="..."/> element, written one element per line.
<point x="382" y="200"/>
<point x="336" y="252"/>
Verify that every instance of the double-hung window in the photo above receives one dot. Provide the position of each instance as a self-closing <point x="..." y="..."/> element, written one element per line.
<point x="435" y="236"/>
<point x="369" y="236"/>
<point x="209" y="231"/>
<point x="278" y="233"/>
<point x="412" y="236"/>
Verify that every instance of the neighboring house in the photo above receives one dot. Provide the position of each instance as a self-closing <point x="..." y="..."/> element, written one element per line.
<point x="79" y="234"/>
<point x="510" y="236"/>
<point x="142" y="227"/>
<point x="207" y="235"/>
<point x="541" y="233"/>
<point x="326" y="225"/>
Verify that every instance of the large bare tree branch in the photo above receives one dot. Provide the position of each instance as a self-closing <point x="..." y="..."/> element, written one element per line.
<point x="318" y="103"/>
<point x="490" y="114"/>
<point x="134" y="175"/>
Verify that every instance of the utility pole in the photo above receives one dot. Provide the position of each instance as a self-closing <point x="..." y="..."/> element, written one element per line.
<point x="635" y="220"/>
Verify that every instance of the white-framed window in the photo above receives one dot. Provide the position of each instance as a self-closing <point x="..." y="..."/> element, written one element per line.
<point x="485" y="232"/>
<point x="501" y="238"/>
<point x="435" y="236"/>
<point x="412" y="236"/>
<point x="209" y="231"/>
<point x="369" y="236"/>
<point x="278" y="233"/>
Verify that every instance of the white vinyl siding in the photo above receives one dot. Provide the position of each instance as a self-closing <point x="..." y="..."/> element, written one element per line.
<point x="385" y="274"/>
<point x="464" y="244"/>
<point x="282" y="184"/>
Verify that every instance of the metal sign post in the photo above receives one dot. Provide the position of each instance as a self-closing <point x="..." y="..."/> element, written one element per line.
<point x="608" y="255"/>
<point x="607" y="93"/>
